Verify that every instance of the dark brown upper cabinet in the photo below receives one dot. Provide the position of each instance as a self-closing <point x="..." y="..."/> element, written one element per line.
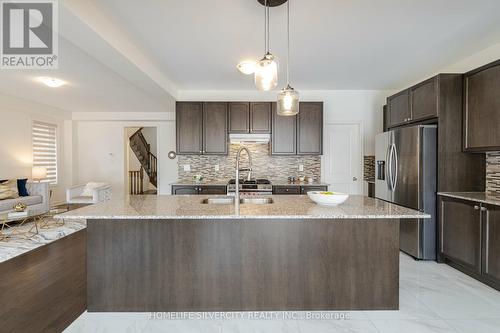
<point x="215" y="139"/>
<point x="189" y="128"/>
<point x="424" y="99"/>
<point x="399" y="108"/>
<point x="253" y="117"/>
<point x="201" y="128"/>
<point x="385" y="119"/>
<point x="310" y="128"/>
<point x="482" y="108"/>
<point x="239" y="117"/>
<point x="298" y="135"/>
<point x="418" y="103"/>
<point x="260" y="117"/>
<point x="284" y="134"/>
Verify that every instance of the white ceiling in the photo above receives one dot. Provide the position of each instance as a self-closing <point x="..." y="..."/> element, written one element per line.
<point x="99" y="78"/>
<point x="129" y="55"/>
<point x="336" y="44"/>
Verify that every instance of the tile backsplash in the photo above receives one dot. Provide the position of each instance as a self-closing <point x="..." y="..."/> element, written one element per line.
<point x="275" y="168"/>
<point x="493" y="173"/>
<point x="369" y="168"/>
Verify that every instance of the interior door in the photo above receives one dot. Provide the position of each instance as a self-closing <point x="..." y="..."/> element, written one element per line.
<point x="342" y="158"/>
<point x="407" y="161"/>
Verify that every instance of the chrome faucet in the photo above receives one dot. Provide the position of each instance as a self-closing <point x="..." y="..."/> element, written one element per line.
<point x="237" y="179"/>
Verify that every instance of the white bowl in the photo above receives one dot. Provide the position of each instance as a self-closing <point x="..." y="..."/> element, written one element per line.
<point x="327" y="199"/>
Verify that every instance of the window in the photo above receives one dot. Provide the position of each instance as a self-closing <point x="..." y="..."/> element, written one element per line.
<point x="45" y="149"/>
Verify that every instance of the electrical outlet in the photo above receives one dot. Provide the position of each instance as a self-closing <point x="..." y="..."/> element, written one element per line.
<point x="187" y="167"/>
<point x="301" y="167"/>
<point x="216" y="167"/>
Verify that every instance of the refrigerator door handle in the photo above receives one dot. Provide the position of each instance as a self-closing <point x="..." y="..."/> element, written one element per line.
<point x="395" y="181"/>
<point x="388" y="167"/>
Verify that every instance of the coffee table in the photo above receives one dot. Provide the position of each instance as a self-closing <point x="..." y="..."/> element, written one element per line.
<point x="6" y="221"/>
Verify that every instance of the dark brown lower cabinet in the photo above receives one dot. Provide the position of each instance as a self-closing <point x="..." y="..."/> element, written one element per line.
<point x="461" y="232"/>
<point x="182" y="190"/>
<point x="470" y="238"/>
<point x="296" y="189"/>
<point x="307" y="188"/>
<point x="286" y="190"/>
<point x="491" y="244"/>
<point x="212" y="190"/>
<point x="198" y="189"/>
<point x="242" y="265"/>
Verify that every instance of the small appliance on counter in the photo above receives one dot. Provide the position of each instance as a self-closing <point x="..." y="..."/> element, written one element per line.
<point x="252" y="187"/>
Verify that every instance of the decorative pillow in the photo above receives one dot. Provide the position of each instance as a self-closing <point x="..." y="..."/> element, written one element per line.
<point x="8" y="190"/>
<point x="21" y="187"/>
<point x="88" y="190"/>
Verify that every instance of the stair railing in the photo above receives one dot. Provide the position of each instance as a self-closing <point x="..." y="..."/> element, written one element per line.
<point x="136" y="181"/>
<point x="149" y="162"/>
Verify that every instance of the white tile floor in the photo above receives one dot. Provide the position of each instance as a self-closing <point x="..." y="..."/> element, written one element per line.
<point x="433" y="298"/>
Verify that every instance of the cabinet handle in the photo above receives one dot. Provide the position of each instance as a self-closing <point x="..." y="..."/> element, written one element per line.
<point x="476" y="207"/>
<point x="200" y="151"/>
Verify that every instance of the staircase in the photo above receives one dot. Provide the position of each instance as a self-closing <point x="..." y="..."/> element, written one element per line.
<point x="148" y="160"/>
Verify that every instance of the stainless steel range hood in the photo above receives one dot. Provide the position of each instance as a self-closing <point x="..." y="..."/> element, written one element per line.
<point x="249" y="138"/>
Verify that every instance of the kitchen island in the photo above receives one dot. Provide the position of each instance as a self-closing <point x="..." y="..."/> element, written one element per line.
<point x="178" y="253"/>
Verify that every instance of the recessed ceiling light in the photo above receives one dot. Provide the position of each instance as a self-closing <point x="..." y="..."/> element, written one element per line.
<point x="51" y="81"/>
<point x="247" y="67"/>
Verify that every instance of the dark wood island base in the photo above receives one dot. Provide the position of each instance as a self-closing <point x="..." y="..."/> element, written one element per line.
<point x="242" y="265"/>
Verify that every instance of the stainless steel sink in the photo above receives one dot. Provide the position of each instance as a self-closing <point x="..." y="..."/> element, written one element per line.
<point x="256" y="201"/>
<point x="230" y="201"/>
<point x="219" y="201"/>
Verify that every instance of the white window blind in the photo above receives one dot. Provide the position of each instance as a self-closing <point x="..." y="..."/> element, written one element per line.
<point x="45" y="149"/>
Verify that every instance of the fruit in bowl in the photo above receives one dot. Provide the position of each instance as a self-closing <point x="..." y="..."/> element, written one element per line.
<point x="327" y="198"/>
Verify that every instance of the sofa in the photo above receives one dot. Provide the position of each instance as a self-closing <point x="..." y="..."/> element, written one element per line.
<point x="38" y="200"/>
<point x="96" y="192"/>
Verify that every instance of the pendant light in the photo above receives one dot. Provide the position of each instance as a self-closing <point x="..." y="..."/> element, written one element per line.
<point x="266" y="70"/>
<point x="288" y="98"/>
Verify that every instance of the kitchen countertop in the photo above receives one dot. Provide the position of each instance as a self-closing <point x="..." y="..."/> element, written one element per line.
<point x="225" y="183"/>
<point x="202" y="183"/>
<point x="286" y="183"/>
<point x="474" y="196"/>
<point x="284" y="206"/>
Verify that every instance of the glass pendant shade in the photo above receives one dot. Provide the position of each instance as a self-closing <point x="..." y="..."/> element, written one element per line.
<point x="288" y="102"/>
<point x="266" y="73"/>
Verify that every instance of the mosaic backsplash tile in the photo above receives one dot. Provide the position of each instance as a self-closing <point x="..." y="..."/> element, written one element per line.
<point x="493" y="173"/>
<point x="369" y="168"/>
<point x="275" y="168"/>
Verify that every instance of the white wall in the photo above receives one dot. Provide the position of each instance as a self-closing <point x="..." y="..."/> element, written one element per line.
<point x="16" y="153"/>
<point x="101" y="150"/>
<point x="151" y="136"/>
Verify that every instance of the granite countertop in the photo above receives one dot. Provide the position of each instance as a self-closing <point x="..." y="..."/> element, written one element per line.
<point x="286" y="183"/>
<point x="202" y="183"/>
<point x="474" y="196"/>
<point x="224" y="183"/>
<point x="284" y="206"/>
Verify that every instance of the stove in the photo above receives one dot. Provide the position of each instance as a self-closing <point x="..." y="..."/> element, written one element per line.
<point x="251" y="187"/>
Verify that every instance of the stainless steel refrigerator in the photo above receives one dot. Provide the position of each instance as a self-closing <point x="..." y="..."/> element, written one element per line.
<point x="406" y="174"/>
